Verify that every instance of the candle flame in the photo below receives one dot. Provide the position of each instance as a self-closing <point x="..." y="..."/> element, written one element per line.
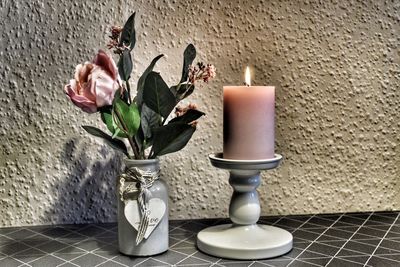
<point x="247" y="76"/>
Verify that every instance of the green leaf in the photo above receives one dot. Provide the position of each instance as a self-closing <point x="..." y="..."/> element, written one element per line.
<point x="142" y="79"/>
<point x="149" y="120"/>
<point x="171" y="138"/>
<point x="126" y="117"/>
<point x="157" y="96"/>
<point x="114" y="143"/>
<point x="125" y="65"/>
<point x="190" y="116"/>
<point x="128" y="35"/>
<point x="188" y="56"/>
<point x="106" y="117"/>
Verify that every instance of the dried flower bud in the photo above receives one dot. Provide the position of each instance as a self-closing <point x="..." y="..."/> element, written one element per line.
<point x="115" y="32"/>
<point x="180" y="111"/>
<point x="201" y="72"/>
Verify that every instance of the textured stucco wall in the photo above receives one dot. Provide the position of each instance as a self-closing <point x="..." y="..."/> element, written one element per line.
<point x="335" y="65"/>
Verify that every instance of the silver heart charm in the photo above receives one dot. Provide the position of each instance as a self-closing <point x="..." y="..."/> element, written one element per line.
<point x="157" y="209"/>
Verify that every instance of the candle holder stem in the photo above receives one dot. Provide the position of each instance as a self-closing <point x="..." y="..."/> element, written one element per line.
<point x="244" y="239"/>
<point x="244" y="208"/>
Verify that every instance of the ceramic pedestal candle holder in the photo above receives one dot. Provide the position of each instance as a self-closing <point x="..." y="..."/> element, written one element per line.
<point x="244" y="239"/>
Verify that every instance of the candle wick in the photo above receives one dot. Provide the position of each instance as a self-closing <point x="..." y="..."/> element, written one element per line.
<point x="248" y="85"/>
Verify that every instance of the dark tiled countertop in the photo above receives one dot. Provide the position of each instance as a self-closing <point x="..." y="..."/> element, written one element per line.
<point x="350" y="239"/>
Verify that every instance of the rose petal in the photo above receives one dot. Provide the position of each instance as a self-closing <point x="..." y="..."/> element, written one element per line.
<point x="105" y="88"/>
<point x="106" y="62"/>
<point x="80" y="101"/>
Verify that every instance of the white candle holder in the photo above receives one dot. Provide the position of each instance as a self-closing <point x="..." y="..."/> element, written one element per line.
<point x="244" y="239"/>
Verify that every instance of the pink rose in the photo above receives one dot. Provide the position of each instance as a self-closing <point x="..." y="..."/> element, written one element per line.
<point x="95" y="83"/>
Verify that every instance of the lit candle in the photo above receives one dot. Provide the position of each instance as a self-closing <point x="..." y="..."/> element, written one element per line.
<point x="249" y="121"/>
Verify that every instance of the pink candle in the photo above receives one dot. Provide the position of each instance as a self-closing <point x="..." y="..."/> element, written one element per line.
<point x="249" y="121"/>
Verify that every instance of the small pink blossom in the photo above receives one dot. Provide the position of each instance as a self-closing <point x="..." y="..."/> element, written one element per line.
<point x="201" y="72"/>
<point x="94" y="84"/>
<point x="180" y="111"/>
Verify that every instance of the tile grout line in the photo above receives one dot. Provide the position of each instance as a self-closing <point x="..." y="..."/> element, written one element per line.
<point x="347" y="241"/>
<point x="312" y="242"/>
<point x="377" y="246"/>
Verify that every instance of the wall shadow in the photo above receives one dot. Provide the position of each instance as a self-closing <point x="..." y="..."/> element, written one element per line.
<point x="87" y="193"/>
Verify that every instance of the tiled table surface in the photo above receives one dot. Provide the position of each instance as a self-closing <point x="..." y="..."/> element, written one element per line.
<point x="351" y="239"/>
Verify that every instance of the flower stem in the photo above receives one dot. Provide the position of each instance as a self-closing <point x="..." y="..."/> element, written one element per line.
<point x="130" y="139"/>
<point x="128" y="87"/>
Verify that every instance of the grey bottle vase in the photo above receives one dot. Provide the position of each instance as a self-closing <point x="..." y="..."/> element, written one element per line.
<point x="157" y="242"/>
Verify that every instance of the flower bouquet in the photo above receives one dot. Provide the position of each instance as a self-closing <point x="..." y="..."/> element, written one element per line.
<point x="142" y="121"/>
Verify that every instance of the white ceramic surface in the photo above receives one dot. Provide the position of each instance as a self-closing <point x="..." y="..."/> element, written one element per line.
<point x="244" y="242"/>
<point x="244" y="239"/>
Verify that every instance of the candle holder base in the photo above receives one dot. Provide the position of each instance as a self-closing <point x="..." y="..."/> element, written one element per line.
<point x="244" y="239"/>
<point x="244" y="242"/>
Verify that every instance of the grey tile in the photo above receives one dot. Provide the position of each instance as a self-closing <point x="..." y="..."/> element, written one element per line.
<point x="358" y="259"/>
<point x="289" y="222"/>
<point x="325" y="238"/>
<point x="336" y="262"/>
<point x="68" y="256"/>
<point x="301" y="245"/>
<point x="395" y="257"/>
<point x="319" y="261"/>
<point x="314" y="230"/>
<point x="10" y="262"/>
<point x="190" y="261"/>
<point x="88" y="260"/>
<point x="55" y="232"/>
<point x="360" y="247"/>
<point x="186" y="251"/>
<point x="307" y="254"/>
<point x="13" y="248"/>
<point x="91" y="231"/>
<point x="310" y="236"/>
<point x="372" y="241"/>
<point x="36" y="241"/>
<point x="293" y="253"/>
<point x="21" y="234"/>
<point x="300" y="263"/>
<point x="88" y="245"/>
<point x="392" y="244"/>
<point x="381" y="219"/>
<point x="46" y="261"/>
<point x="52" y="246"/>
<point x="30" y="252"/>
<point x="334" y="243"/>
<point x="184" y="244"/>
<point x="193" y="227"/>
<point x="276" y="262"/>
<point x="205" y="257"/>
<point x="235" y="263"/>
<point x="106" y="254"/>
<point x="321" y="221"/>
<point x="170" y="257"/>
<point x="130" y="261"/>
<point x="27" y="258"/>
<point x="345" y="252"/>
<point x="70" y="249"/>
<point x="375" y="261"/>
<point x="67" y="264"/>
<point x="151" y="263"/>
<point x="338" y="233"/>
<point x="352" y="220"/>
<point x="111" y="264"/>
<point x="393" y="235"/>
<point x="323" y="249"/>
<point x="371" y="232"/>
<point x="8" y="230"/>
